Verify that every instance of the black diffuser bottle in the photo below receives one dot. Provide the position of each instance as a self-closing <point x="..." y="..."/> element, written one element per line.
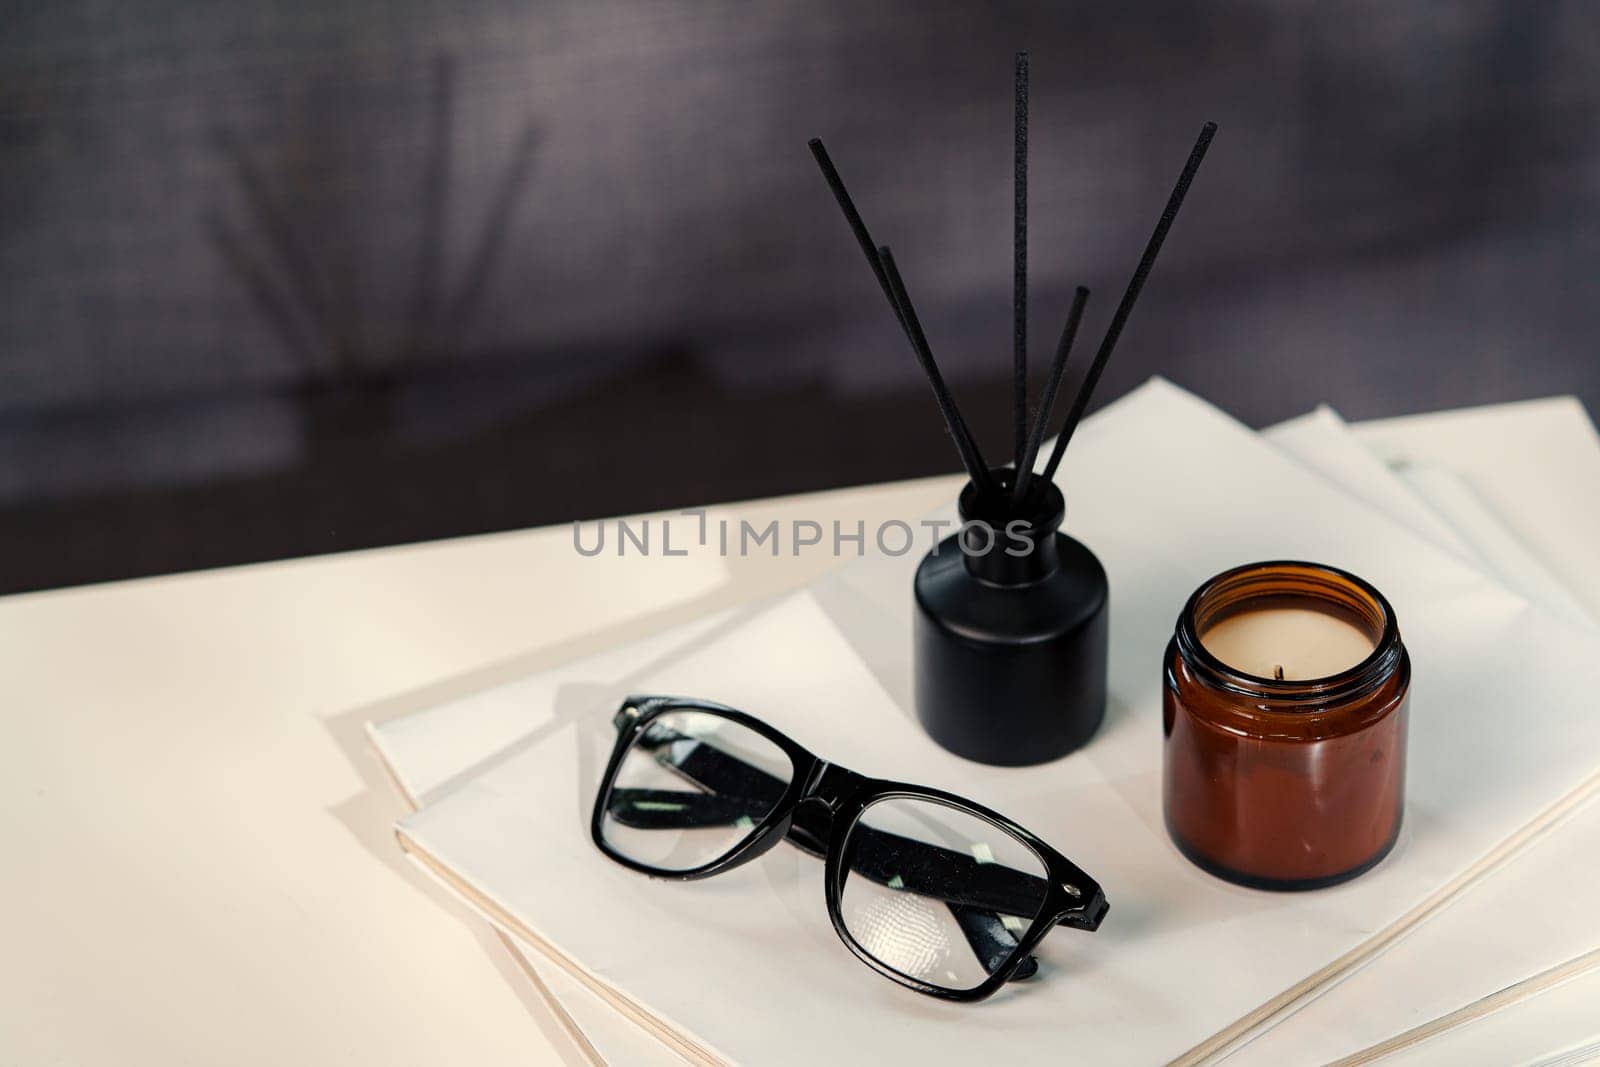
<point x="1010" y="632"/>
<point x="1010" y="643"/>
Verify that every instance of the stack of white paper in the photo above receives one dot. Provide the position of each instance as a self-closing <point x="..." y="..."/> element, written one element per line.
<point x="1167" y="492"/>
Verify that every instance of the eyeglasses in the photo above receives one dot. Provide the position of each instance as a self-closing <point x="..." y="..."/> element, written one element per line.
<point x="935" y="892"/>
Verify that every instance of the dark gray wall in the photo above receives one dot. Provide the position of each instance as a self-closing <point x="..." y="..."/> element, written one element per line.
<point x="219" y="223"/>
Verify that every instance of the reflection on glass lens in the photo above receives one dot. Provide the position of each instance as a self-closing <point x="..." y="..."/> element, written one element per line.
<point x="692" y="788"/>
<point x="937" y="894"/>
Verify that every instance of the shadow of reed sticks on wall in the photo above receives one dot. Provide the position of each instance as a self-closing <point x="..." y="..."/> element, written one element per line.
<point x="346" y="384"/>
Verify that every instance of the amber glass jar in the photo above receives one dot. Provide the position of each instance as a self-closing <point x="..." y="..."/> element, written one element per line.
<point x="1285" y="782"/>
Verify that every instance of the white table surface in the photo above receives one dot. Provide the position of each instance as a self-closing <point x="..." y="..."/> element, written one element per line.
<point x="196" y="856"/>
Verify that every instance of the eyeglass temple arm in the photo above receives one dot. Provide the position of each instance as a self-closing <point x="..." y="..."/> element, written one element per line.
<point x="661" y="809"/>
<point x="915" y="866"/>
<point x="992" y="886"/>
<point x="736" y="788"/>
<point x="742" y="790"/>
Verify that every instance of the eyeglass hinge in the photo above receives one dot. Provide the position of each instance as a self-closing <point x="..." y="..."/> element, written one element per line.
<point x="817" y="774"/>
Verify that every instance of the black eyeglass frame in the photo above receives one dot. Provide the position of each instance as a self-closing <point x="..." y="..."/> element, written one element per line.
<point x="820" y="807"/>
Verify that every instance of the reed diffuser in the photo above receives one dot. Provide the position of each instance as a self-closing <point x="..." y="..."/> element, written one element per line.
<point x="1011" y="621"/>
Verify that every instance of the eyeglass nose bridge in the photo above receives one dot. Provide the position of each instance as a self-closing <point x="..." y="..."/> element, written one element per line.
<point x="831" y="784"/>
<point x="828" y="786"/>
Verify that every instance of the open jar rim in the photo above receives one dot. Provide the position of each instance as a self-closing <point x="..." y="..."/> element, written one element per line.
<point x="1349" y="596"/>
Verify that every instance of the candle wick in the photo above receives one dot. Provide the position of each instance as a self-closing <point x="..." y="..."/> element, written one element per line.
<point x="1277" y="672"/>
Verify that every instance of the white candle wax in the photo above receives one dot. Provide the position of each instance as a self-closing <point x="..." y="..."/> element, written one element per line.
<point x="1295" y="644"/>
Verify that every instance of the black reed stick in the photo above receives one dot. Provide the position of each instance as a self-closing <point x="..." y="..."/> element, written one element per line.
<point x="882" y="265"/>
<point x="971" y="458"/>
<point x="836" y="184"/>
<point x="1124" y="309"/>
<point x="1024" y="480"/>
<point x="1019" y="267"/>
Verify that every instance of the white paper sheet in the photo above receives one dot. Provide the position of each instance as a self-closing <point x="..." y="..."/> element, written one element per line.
<point x="1164" y="475"/>
<point x="1533" y="914"/>
<point x="427" y="750"/>
<point x="1439" y="502"/>
<point x="1323" y="442"/>
<point x="1536" y="464"/>
<point x="1506" y="558"/>
<point x="1560" y="1022"/>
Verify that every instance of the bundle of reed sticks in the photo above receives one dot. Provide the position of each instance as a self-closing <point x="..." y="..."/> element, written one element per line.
<point x="1029" y="432"/>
